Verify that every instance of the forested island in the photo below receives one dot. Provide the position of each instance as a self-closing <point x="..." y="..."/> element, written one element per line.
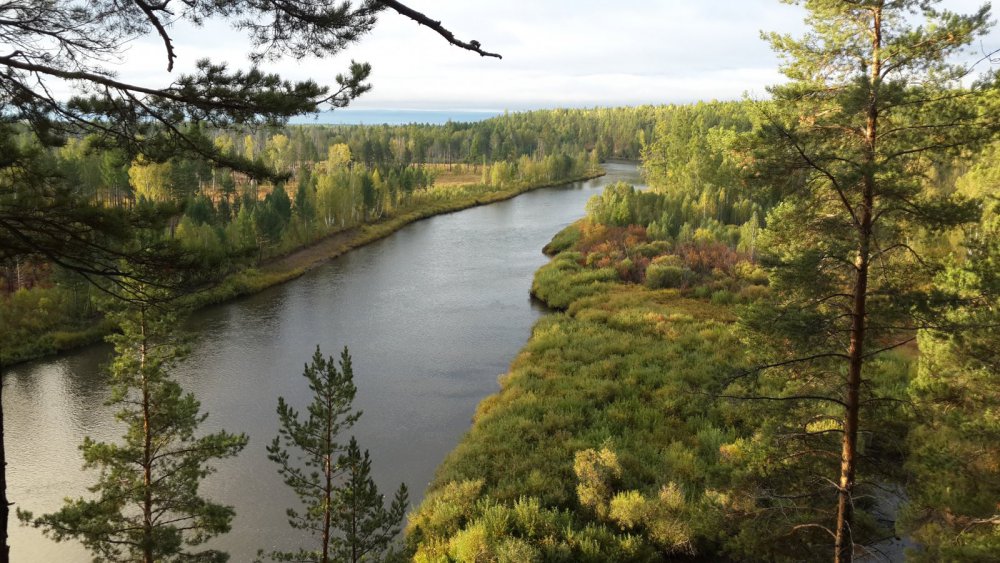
<point x="782" y="344"/>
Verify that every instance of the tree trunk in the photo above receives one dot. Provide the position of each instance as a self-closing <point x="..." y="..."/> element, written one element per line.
<point x="355" y="556"/>
<point x="147" y="463"/>
<point x="844" y="543"/>
<point x="328" y="473"/>
<point x="848" y="457"/>
<point x="4" y="505"/>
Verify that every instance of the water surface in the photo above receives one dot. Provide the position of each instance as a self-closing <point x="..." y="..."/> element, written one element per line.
<point x="432" y="315"/>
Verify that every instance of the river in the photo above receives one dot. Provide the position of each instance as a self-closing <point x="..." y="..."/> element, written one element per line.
<point x="432" y="315"/>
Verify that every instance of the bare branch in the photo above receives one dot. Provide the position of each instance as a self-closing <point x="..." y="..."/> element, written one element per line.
<point x="422" y="19"/>
<point x="758" y="369"/>
<point x="167" y="42"/>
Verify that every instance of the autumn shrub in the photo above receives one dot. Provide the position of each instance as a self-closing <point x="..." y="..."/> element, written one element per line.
<point x="652" y="249"/>
<point x="703" y="258"/>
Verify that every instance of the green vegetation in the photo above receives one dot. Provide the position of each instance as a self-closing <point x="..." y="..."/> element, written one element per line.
<point x="344" y="511"/>
<point x="954" y="457"/>
<point x="148" y="507"/>
<point x="637" y="425"/>
<point x="601" y="444"/>
<point x="249" y="236"/>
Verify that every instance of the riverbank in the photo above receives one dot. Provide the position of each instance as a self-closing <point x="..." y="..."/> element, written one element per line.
<point x="280" y="269"/>
<point x="622" y="430"/>
<point x="600" y="418"/>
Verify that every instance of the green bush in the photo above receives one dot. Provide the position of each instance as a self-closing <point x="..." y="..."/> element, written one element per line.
<point x="654" y="249"/>
<point x="666" y="276"/>
<point x="723" y="297"/>
<point x="564" y="240"/>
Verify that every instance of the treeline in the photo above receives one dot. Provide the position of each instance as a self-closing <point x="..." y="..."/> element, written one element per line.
<point x="611" y="132"/>
<point x="334" y="178"/>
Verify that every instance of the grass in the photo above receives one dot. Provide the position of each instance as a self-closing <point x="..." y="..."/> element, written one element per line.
<point x="621" y="424"/>
<point x="618" y="367"/>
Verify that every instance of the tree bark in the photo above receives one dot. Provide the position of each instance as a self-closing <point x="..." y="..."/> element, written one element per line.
<point x="848" y="458"/>
<point x="4" y="504"/>
<point x="328" y="473"/>
<point x="844" y="543"/>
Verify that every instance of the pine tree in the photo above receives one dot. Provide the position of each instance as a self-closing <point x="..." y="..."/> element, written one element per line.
<point x="147" y="506"/>
<point x="342" y="507"/>
<point x="871" y="103"/>
<point x="368" y="528"/>
<point x="951" y="509"/>
<point x="68" y="44"/>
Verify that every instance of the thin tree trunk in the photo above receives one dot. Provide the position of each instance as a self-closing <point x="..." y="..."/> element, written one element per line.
<point x="355" y="556"/>
<point x="147" y="463"/>
<point x="4" y="505"/>
<point x="844" y="543"/>
<point x="328" y="473"/>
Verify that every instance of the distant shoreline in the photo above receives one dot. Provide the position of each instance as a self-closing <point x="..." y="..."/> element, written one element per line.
<point x="359" y="116"/>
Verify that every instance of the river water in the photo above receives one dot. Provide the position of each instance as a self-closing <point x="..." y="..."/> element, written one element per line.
<point x="432" y="315"/>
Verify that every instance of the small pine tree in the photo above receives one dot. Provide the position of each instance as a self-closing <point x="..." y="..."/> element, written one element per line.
<point x="148" y="507"/>
<point x="343" y="509"/>
<point x="368" y="528"/>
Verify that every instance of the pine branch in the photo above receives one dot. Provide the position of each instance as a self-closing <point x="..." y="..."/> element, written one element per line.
<point x="422" y="19"/>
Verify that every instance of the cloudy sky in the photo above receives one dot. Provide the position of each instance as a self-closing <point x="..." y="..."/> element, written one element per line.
<point x="556" y="53"/>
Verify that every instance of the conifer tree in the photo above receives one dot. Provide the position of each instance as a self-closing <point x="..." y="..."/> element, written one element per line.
<point x="368" y="528"/>
<point x="147" y="506"/>
<point x="872" y="101"/>
<point x="342" y="508"/>
<point x="954" y="462"/>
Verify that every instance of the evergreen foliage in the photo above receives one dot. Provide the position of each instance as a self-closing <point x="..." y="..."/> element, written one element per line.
<point x="873" y="101"/>
<point x="368" y="527"/>
<point x="954" y="461"/>
<point x="343" y="509"/>
<point x="147" y="506"/>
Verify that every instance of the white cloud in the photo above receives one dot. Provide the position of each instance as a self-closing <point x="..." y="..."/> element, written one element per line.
<point x="556" y="53"/>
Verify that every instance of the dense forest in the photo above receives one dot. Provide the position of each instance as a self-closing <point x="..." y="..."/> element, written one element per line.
<point x="331" y="179"/>
<point x="784" y="349"/>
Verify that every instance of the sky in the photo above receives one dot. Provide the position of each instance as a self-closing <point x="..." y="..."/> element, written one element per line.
<point x="557" y="53"/>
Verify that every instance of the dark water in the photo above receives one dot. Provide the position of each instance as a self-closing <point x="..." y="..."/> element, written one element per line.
<point x="432" y="315"/>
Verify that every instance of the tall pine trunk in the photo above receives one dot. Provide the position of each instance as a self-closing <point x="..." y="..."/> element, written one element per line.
<point x="844" y="543"/>
<point x="4" y="505"/>
<point x="848" y="458"/>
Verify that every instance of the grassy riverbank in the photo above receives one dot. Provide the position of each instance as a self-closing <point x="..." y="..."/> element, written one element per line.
<point x="598" y="446"/>
<point x="611" y="438"/>
<point x="47" y="335"/>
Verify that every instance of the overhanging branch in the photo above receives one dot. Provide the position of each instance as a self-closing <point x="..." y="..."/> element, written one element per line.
<point x="422" y="19"/>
